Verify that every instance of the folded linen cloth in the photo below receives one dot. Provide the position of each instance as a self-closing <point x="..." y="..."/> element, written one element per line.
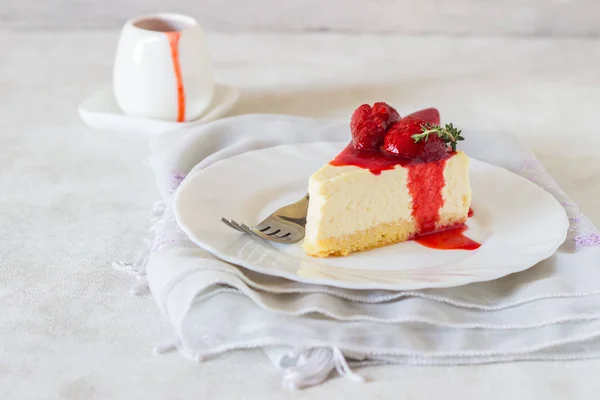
<point x="549" y="312"/>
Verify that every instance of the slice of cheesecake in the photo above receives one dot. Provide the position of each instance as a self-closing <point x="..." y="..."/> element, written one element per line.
<point x="388" y="191"/>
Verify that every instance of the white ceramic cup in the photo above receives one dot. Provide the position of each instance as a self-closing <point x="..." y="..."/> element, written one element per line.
<point x="162" y="69"/>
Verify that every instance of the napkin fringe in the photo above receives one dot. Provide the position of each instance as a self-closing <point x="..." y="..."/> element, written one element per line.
<point x="313" y="366"/>
<point x="137" y="268"/>
<point x="167" y="346"/>
<point x="175" y="344"/>
<point x="301" y="368"/>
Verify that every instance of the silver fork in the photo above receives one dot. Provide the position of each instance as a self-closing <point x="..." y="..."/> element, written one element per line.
<point x="286" y="225"/>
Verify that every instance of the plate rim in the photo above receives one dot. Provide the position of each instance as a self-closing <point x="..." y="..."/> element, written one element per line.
<point x="363" y="285"/>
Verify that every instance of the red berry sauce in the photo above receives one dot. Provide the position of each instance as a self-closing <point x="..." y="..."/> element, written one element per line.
<point x="425" y="184"/>
<point x="431" y="115"/>
<point x="374" y="161"/>
<point x="449" y="239"/>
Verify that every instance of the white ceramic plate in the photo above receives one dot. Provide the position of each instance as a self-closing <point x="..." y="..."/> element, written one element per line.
<point x="517" y="223"/>
<point x="100" y="111"/>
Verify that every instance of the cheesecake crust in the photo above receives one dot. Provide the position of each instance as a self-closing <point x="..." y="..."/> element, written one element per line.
<point x="374" y="237"/>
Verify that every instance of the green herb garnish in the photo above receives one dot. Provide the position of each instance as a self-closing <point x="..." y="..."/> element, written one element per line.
<point x="449" y="134"/>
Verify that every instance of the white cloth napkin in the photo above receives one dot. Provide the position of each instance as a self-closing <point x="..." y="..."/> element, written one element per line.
<point x="549" y="312"/>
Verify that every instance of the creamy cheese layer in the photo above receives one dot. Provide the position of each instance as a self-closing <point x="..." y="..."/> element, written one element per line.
<point x="347" y="199"/>
<point x="457" y="191"/>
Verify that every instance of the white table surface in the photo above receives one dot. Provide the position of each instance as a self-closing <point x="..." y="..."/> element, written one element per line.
<point x="72" y="200"/>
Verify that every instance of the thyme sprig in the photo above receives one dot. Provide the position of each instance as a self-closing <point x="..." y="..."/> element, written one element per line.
<point x="449" y="134"/>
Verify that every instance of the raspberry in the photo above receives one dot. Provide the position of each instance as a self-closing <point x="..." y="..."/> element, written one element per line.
<point x="435" y="149"/>
<point x="368" y="125"/>
<point x="385" y="112"/>
<point x="367" y="131"/>
<point x="429" y="115"/>
<point x="399" y="141"/>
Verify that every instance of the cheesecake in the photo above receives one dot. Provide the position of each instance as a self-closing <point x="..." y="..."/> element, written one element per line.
<point x="398" y="179"/>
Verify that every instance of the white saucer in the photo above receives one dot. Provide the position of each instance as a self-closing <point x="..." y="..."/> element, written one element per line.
<point x="100" y="111"/>
<point x="517" y="223"/>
